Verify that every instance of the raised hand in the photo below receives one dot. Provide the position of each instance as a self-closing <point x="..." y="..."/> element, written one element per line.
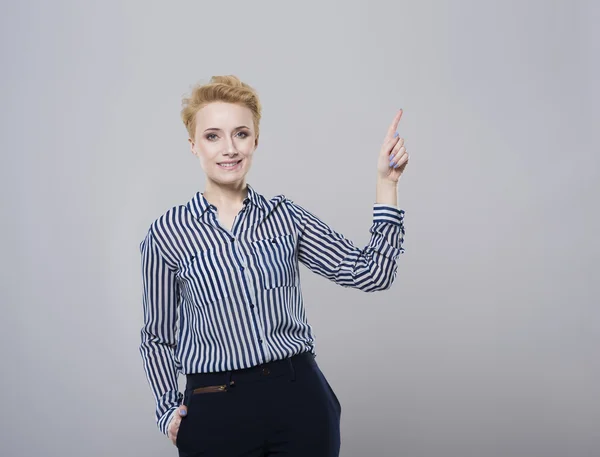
<point x="393" y="157"/>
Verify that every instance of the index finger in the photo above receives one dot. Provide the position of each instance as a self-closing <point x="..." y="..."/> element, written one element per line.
<point x="394" y="125"/>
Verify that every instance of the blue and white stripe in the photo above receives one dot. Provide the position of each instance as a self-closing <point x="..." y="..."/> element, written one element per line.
<point x="217" y="300"/>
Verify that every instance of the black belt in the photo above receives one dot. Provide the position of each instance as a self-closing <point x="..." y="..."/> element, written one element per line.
<point x="222" y="381"/>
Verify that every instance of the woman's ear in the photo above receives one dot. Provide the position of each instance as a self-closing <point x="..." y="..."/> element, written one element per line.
<point x="192" y="145"/>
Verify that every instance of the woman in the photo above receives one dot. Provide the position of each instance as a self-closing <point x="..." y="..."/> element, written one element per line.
<point x="222" y="298"/>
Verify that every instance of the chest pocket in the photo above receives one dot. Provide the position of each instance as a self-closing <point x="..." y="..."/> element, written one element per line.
<point x="202" y="277"/>
<point x="276" y="261"/>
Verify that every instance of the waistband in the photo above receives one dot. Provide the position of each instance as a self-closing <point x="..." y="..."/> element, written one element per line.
<point x="224" y="380"/>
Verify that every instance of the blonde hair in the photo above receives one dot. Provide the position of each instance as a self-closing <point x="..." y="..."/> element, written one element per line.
<point x="227" y="89"/>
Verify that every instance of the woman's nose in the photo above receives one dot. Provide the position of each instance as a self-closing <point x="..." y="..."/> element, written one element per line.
<point x="230" y="146"/>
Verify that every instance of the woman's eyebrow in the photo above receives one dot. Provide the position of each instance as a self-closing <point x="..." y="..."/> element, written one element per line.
<point x="218" y="129"/>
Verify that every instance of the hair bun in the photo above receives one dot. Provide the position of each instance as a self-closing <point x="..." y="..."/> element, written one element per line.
<point x="227" y="80"/>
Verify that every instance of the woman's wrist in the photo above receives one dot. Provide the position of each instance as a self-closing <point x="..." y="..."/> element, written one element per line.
<point x="386" y="192"/>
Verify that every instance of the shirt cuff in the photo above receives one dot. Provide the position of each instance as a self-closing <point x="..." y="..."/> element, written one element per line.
<point x="163" y="422"/>
<point x="387" y="213"/>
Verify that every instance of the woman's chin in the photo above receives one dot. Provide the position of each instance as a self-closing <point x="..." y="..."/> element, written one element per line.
<point x="228" y="178"/>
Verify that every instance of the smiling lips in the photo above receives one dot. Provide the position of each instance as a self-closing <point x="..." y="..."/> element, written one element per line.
<point x="229" y="165"/>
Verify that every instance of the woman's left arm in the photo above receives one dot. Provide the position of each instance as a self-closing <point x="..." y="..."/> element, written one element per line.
<point x="329" y="254"/>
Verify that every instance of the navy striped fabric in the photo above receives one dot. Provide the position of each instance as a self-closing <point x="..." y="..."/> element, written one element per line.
<point x="218" y="300"/>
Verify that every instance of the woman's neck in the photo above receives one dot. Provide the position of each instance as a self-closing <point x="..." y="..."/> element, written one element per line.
<point x="225" y="196"/>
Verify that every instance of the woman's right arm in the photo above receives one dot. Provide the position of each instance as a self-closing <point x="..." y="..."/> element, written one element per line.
<point x="160" y="297"/>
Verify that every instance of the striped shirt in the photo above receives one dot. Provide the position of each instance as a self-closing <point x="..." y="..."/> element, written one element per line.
<point x="218" y="300"/>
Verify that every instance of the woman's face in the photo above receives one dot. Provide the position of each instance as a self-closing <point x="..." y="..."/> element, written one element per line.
<point x="224" y="134"/>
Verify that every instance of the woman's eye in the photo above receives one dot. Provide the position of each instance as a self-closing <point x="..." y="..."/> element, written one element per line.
<point x="212" y="136"/>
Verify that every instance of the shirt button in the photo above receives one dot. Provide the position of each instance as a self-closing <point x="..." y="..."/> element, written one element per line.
<point x="260" y="341"/>
<point x="251" y="306"/>
<point x="266" y="371"/>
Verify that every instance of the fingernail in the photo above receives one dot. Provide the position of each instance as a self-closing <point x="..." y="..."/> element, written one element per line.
<point x="396" y="134"/>
<point x="183" y="412"/>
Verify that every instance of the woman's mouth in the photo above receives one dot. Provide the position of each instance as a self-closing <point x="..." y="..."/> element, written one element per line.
<point x="229" y="166"/>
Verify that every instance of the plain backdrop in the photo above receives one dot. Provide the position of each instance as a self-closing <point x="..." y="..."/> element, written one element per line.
<point x="487" y="345"/>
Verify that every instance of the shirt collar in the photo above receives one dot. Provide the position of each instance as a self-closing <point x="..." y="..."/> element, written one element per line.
<point x="198" y="205"/>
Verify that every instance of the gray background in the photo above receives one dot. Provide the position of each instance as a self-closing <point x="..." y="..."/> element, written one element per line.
<point x="487" y="343"/>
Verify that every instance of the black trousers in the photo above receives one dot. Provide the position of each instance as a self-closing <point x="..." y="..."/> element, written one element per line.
<point x="281" y="408"/>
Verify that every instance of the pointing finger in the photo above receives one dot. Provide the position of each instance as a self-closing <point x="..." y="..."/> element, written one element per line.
<point x="394" y="125"/>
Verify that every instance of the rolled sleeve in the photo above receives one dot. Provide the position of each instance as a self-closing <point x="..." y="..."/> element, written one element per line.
<point x="388" y="224"/>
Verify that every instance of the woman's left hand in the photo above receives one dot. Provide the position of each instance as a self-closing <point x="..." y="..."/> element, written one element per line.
<point x="393" y="157"/>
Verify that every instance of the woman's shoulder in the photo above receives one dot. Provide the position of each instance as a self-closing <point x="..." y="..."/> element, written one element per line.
<point x="170" y="214"/>
<point x="170" y="219"/>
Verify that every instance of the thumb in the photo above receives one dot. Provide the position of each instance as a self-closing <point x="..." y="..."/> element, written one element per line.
<point x="182" y="411"/>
